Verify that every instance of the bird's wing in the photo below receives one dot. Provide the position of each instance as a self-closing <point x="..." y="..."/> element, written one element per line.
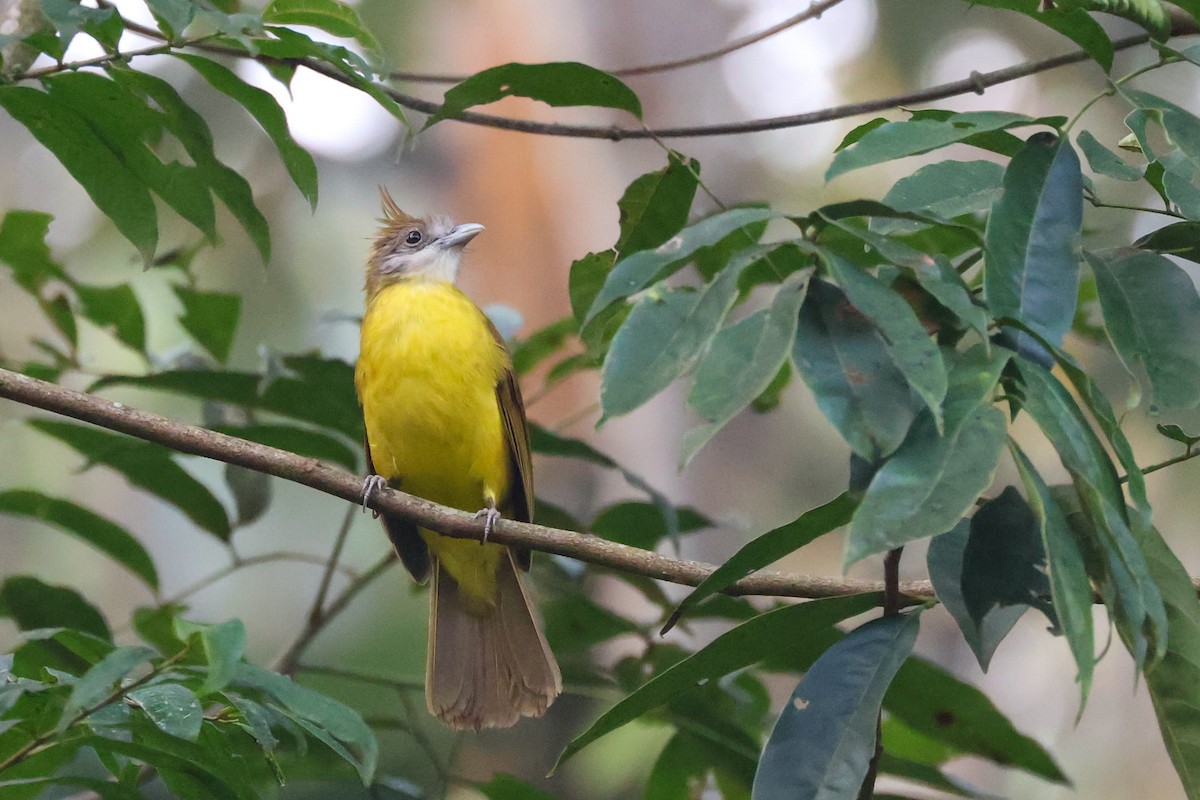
<point x="519" y="505"/>
<point x="405" y="536"/>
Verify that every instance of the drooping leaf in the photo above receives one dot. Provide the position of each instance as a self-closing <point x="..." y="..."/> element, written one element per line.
<point x="1004" y="562"/>
<point x="1105" y="162"/>
<point x="1070" y="590"/>
<point x="116" y="191"/>
<point x="643" y="524"/>
<point x="116" y="308"/>
<point x="1069" y="19"/>
<point x="266" y="110"/>
<point x="328" y="15"/>
<point x="1180" y="239"/>
<point x="145" y="465"/>
<point x="33" y="605"/>
<point x="656" y="205"/>
<point x="211" y="318"/>
<point x="223" y="646"/>
<point x="172" y="16"/>
<point x="565" y="83"/>
<point x="769" y="548"/>
<point x="1152" y="316"/>
<point x="927" y="485"/>
<point x="172" y="708"/>
<point x="746" y="644"/>
<point x="945" y="560"/>
<point x="638" y="270"/>
<point x="824" y="740"/>
<point x="894" y="140"/>
<point x="100" y="682"/>
<point x="1032" y="270"/>
<point x="100" y="532"/>
<point x="1177" y="434"/>
<point x="742" y="361"/>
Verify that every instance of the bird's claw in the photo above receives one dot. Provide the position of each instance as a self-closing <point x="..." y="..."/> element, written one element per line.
<point x="372" y="485"/>
<point x="489" y="515"/>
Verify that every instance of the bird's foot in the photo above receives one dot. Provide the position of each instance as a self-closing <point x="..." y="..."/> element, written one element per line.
<point x="489" y="515"/>
<point x="372" y="485"/>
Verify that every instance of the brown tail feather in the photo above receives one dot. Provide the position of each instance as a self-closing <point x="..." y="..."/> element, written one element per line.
<point x="487" y="667"/>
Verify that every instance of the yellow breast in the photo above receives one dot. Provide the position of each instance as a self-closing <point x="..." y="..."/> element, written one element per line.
<point x="426" y="378"/>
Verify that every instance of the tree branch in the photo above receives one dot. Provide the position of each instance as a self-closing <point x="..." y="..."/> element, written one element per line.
<point x="451" y="522"/>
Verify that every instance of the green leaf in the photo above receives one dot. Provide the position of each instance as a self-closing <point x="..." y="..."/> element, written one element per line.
<point x="767" y="549"/>
<point x="1174" y="680"/>
<point x="1032" y="270"/>
<point x="1105" y="162"/>
<point x="748" y="643"/>
<point x="340" y="727"/>
<point x="328" y="15"/>
<point x="946" y="189"/>
<point x="644" y="525"/>
<point x="662" y="337"/>
<point x="34" y="605"/>
<point x="172" y="16"/>
<point x="824" y="741"/>
<point x="741" y="363"/>
<point x="1004" y="562"/>
<point x="23" y="247"/>
<point x="1069" y="19"/>
<point x="574" y="623"/>
<point x="935" y="704"/>
<point x="101" y="533"/>
<point x="99" y="682"/>
<point x="115" y="307"/>
<point x="564" y="83"/>
<point x="907" y="342"/>
<point x="638" y="270"/>
<point x="1133" y="598"/>
<point x="945" y="563"/>
<point x="120" y="195"/>
<point x="894" y="140"/>
<point x="69" y="18"/>
<point x="211" y="318"/>
<point x="1152" y="316"/>
<point x="1180" y="239"/>
<point x="172" y="708"/>
<point x="193" y="133"/>
<point x="145" y="465"/>
<point x="1070" y="589"/>
<point x="265" y="110"/>
<point x="927" y="485"/>
<point x="656" y="205"/>
<point x="507" y="787"/>
<point x="541" y="344"/>
<point x="223" y="645"/>
<point x="1176" y="434"/>
<point x="843" y="358"/>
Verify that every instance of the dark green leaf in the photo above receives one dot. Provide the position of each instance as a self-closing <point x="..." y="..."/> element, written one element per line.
<point x="146" y="466"/>
<point x="1180" y="239"/>
<point x="23" y="247"/>
<point x="946" y="189"/>
<point x="156" y="626"/>
<point x="507" y="787"/>
<point x="564" y="83"/>
<point x="328" y="15"/>
<point x="945" y="562"/>
<point x="1032" y="269"/>
<point x="932" y="702"/>
<point x="1004" y="563"/>
<point x="643" y="524"/>
<point x="769" y="548"/>
<point x="638" y="270"/>
<point x="1071" y="20"/>
<point x="656" y="205"/>
<point x="172" y="16"/>
<point x="1175" y="433"/>
<point x="115" y="307"/>
<point x="1105" y="162"/>
<point x="746" y="644"/>
<point x="211" y="318"/>
<point x="1152" y="316"/>
<point x="574" y="623"/>
<point x="116" y="191"/>
<point x="912" y="137"/>
<point x="99" y="682"/>
<point x="223" y="645"/>
<point x="266" y="111"/>
<point x="742" y="361"/>
<point x="101" y="533"/>
<point x="172" y="708"/>
<point x="843" y="358"/>
<point x="34" y="605"/>
<point x="824" y="741"/>
<point x="907" y="342"/>
<point x="1070" y="589"/>
<point x="932" y="777"/>
<point x="541" y="344"/>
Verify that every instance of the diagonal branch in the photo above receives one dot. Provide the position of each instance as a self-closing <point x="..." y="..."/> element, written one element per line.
<point x="451" y="522"/>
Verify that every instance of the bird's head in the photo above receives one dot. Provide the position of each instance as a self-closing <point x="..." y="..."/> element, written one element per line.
<point x="427" y="248"/>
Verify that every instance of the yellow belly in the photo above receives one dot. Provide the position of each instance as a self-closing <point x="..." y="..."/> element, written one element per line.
<point x="426" y="378"/>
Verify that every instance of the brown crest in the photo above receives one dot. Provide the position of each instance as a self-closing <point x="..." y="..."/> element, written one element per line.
<point x="393" y="215"/>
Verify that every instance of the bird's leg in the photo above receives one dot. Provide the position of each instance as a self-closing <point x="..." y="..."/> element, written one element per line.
<point x="490" y="515"/>
<point x="371" y="487"/>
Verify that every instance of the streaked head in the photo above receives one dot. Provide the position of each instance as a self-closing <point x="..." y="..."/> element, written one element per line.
<point x="411" y="247"/>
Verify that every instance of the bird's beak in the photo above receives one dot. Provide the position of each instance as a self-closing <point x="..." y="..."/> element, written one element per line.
<point x="459" y="235"/>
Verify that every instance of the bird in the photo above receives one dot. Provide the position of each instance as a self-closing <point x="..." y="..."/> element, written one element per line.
<point x="445" y="421"/>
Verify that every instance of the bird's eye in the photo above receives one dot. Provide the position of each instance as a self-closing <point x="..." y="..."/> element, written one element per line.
<point x="413" y="238"/>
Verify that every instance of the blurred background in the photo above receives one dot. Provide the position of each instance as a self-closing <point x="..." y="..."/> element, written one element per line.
<point x="547" y="201"/>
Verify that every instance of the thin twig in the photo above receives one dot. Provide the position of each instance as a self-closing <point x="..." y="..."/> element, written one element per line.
<point x="1170" y="462"/>
<point x="813" y="12"/>
<point x="331" y="566"/>
<point x="251" y="561"/>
